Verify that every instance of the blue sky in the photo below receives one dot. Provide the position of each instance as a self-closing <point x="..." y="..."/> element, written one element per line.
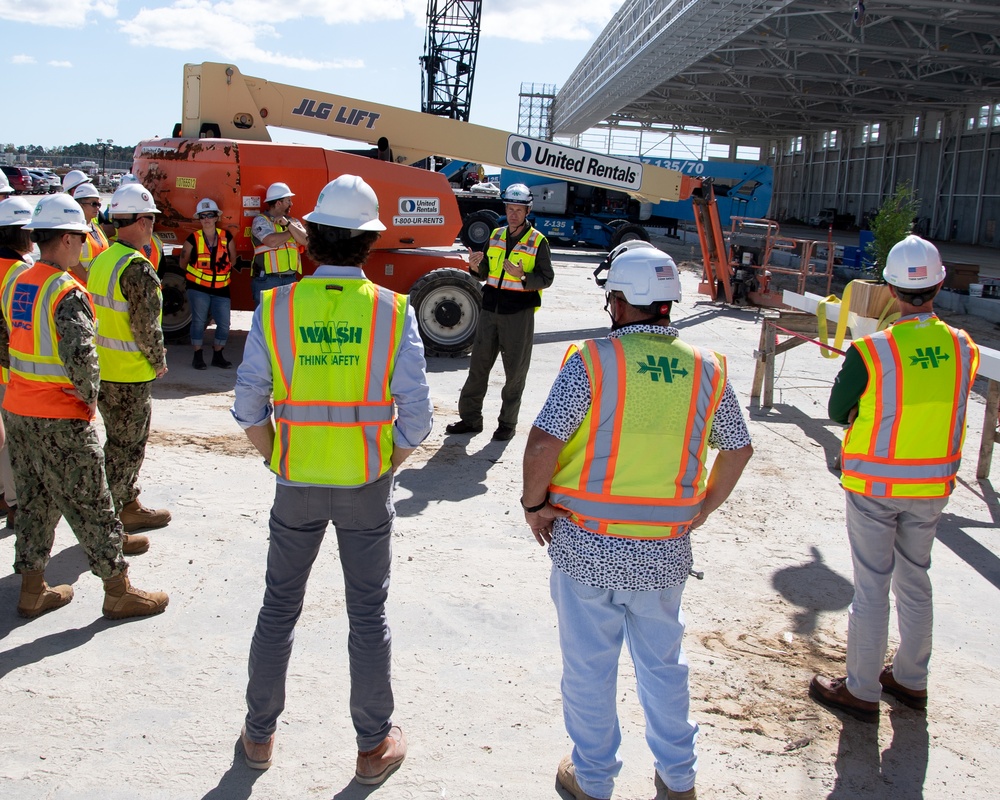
<point x="102" y="68"/>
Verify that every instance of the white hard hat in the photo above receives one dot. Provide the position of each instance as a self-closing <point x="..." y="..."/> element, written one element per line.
<point x="4" y="183"/>
<point x="133" y="198"/>
<point x="127" y="178"/>
<point x="206" y="204"/>
<point x="85" y="190"/>
<point x="517" y="194"/>
<point x="15" y="211"/>
<point x="74" y="178"/>
<point x="347" y="202"/>
<point x="643" y="274"/>
<point x="913" y="263"/>
<point x="278" y="191"/>
<point x="58" y="212"/>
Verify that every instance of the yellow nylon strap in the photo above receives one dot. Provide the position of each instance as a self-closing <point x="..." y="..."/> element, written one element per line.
<point x="841" y="332"/>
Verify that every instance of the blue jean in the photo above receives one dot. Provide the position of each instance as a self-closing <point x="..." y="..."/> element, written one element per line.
<point x="891" y="542"/>
<point x="592" y="625"/>
<point x="363" y="519"/>
<point x="203" y="304"/>
<point x="266" y="281"/>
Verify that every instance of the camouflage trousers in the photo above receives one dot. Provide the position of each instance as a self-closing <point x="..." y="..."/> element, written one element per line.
<point x="59" y="469"/>
<point x="126" y="409"/>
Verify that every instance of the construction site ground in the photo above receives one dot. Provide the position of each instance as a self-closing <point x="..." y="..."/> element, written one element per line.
<point x="152" y="708"/>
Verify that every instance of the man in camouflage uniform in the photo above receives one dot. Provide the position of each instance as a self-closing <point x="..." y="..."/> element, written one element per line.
<point x="47" y="334"/>
<point x="126" y="292"/>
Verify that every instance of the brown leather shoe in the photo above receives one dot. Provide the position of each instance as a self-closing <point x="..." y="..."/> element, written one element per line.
<point x="134" y="544"/>
<point x="135" y="516"/>
<point x="122" y="600"/>
<point x="914" y="698"/>
<point x="832" y="693"/>
<point x="566" y="775"/>
<point x="258" y="755"/>
<point x="37" y="596"/>
<point x="374" y="766"/>
<point x="663" y="793"/>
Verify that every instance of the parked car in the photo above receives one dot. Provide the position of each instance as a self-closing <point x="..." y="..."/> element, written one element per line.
<point x="19" y="179"/>
<point x="46" y="182"/>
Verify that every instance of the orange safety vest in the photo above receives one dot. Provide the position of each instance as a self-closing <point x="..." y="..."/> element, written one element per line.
<point x="906" y="440"/>
<point x="10" y="268"/>
<point x="635" y="467"/>
<point x="95" y="244"/>
<point x="333" y="353"/>
<point x="38" y="377"/>
<point x="200" y="272"/>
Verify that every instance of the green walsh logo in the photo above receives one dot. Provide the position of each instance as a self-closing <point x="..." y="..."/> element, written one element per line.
<point x="661" y="368"/>
<point x="330" y="337"/>
<point x="928" y="358"/>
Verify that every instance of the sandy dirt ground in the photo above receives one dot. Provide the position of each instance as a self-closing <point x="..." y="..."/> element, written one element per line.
<point x="152" y="708"/>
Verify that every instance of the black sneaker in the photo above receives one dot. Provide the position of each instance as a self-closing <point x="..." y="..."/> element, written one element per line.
<point x="199" y="360"/>
<point x="503" y="433"/>
<point x="219" y="360"/>
<point x="464" y="427"/>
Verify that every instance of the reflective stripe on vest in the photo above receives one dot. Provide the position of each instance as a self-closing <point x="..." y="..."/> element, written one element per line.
<point x="333" y="352"/>
<point x="523" y="254"/>
<point x="907" y="438"/>
<point x="119" y="355"/>
<point x="95" y="244"/>
<point x="200" y="269"/>
<point x="10" y="268"/>
<point x="635" y="467"/>
<point x="283" y="258"/>
<point x="38" y="375"/>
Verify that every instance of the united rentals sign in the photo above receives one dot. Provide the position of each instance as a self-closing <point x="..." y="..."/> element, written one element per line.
<point x="550" y="158"/>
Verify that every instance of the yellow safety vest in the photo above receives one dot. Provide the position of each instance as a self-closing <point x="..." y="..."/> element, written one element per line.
<point x="283" y="258"/>
<point x="907" y="438"/>
<point x="119" y="355"/>
<point x="95" y="244"/>
<point x="523" y="254"/>
<point x="38" y="377"/>
<point x="333" y="353"/>
<point x="635" y="467"/>
<point x="10" y="268"/>
<point x="200" y="269"/>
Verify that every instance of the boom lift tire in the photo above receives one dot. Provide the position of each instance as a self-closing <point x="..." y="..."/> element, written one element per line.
<point x="477" y="227"/>
<point x="627" y="233"/>
<point x="446" y="303"/>
<point x="176" y="323"/>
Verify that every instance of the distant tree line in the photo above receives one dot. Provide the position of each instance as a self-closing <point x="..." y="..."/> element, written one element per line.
<point x="119" y="156"/>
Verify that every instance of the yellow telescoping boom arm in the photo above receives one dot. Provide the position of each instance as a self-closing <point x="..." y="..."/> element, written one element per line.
<point x="241" y="107"/>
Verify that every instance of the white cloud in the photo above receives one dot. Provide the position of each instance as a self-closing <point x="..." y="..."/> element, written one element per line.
<point x="540" y="21"/>
<point x="22" y="59"/>
<point x="57" y="13"/>
<point x="197" y="24"/>
<point x="60" y="63"/>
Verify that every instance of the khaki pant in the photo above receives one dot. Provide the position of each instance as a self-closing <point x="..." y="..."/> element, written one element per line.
<point x="510" y="336"/>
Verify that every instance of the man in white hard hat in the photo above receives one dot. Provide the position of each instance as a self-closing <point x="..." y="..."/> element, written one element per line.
<point x="904" y="393"/>
<point x="615" y="480"/>
<point x="278" y="240"/>
<point x="73" y="179"/>
<point x="5" y="184"/>
<point x="89" y="198"/>
<point x="517" y="266"/>
<point x="15" y="247"/>
<point x="126" y="291"/>
<point x="47" y="339"/>
<point x="332" y="400"/>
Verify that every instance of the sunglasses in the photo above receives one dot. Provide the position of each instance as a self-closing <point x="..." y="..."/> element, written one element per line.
<point x="208" y="215"/>
<point x="91" y="203"/>
<point x="150" y="217"/>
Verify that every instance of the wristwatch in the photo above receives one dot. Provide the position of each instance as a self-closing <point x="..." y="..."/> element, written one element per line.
<point x="535" y="509"/>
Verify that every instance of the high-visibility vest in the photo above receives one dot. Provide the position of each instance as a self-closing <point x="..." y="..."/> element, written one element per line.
<point x="907" y="438"/>
<point x="152" y="251"/>
<point x="200" y="269"/>
<point x="283" y="258"/>
<point x="333" y="353"/>
<point x="95" y="244"/>
<point x="119" y="355"/>
<point x="523" y="254"/>
<point x="38" y="375"/>
<point x="635" y="467"/>
<point x="10" y="268"/>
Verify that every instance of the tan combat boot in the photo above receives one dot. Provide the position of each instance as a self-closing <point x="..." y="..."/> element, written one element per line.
<point x="37" y="596"/>
<point x="135" y="516"/>
<point x="122" y="600"/>
<point x="134" y="544"/>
